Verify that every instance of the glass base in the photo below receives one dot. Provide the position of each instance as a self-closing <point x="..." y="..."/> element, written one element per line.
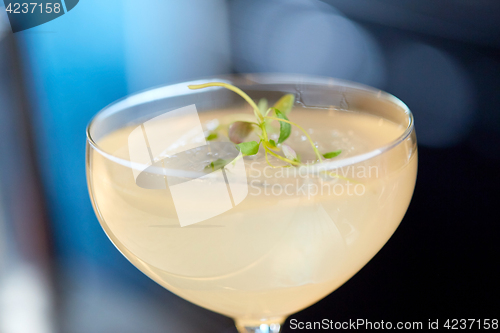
<point x="264" y="328"/>
<point x="273" y="326"/>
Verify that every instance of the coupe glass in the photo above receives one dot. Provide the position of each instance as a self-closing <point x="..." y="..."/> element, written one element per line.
<point x="243" y="239"/>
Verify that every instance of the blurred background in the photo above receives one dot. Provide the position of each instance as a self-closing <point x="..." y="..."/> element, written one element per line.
<point x="59" y="272"/>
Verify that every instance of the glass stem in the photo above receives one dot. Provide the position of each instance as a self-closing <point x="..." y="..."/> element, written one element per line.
<point x="255" y="327"/>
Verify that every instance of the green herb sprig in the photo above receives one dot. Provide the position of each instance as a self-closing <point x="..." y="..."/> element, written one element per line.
<point x="240" y="130"/>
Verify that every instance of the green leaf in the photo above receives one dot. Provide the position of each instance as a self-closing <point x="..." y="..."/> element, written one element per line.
<point x="272" y="142"/>
<point x="332" y="154"/>
<point x="239" y="130"/>
<point x="248" y="148"/>
<point x="262" y="106"/>
<point x="212" y="136"/>
<point x="217" y="164"/>
<point x="285" y="103"/>
<point x="285" y="128"/>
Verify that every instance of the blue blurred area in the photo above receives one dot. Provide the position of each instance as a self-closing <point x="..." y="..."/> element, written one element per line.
<point x="308" y="37"/>
<point x="75" y="65"/>
<point x="173" y="41"/>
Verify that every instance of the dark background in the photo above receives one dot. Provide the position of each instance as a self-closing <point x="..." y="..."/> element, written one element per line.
<point x="59" y="272"/>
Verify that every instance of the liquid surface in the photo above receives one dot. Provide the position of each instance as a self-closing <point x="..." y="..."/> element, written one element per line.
<point x="292" y="240"/>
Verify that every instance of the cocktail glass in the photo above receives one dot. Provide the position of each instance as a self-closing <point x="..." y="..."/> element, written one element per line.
<point x="246" y="240"/>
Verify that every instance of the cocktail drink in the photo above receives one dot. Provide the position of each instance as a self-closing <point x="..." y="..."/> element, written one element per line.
<point x="255" y="237"/>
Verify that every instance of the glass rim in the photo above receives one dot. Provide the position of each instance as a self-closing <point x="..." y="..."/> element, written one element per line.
<point x="179" y="89"/>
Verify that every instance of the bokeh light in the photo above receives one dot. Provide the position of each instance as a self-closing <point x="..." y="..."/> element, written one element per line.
<point x="307" y="37"/>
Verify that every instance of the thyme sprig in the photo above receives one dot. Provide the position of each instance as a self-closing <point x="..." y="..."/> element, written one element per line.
<point x="240" y="130"/>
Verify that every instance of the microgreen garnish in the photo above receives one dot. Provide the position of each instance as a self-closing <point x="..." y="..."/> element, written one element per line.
<point x="248" y="148"/>
<point x="285" y="128"/>
<point x="285" y="103"/>
<point x="212" y="136"/>
<point x="217" y="164"/>
<point x="240" y="130"/>
<point x="332" y="154"/>
<point x="289" y="153"/>
<point x="262" y="106"/>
